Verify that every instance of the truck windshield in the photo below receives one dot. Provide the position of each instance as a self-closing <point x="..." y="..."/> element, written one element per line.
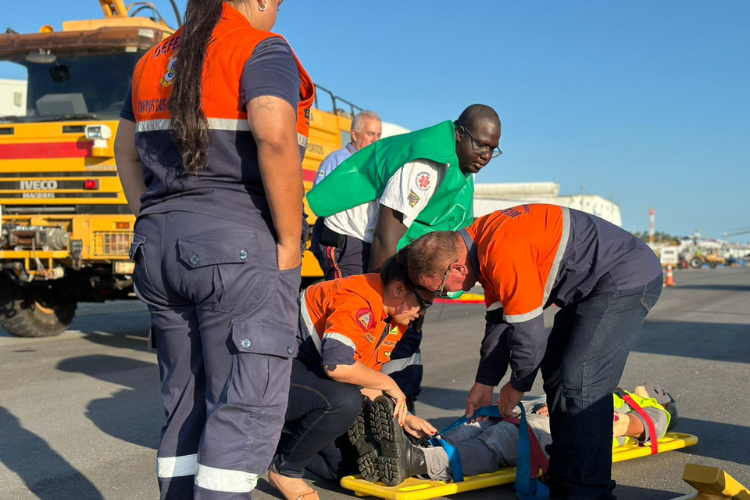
<point x="85" y="86"/>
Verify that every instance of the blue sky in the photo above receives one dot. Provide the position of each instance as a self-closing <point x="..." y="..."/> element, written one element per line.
<point x="643" y="102"/>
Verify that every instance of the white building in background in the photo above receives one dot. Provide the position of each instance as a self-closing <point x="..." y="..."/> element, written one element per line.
<point x="491" y="197"/>
<point x="12" y="97"/>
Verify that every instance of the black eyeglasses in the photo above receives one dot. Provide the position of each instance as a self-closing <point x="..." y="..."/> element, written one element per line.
<point x="441" y="292"/>
<point x="423" y="304"/>
<point x="482" y="149"/>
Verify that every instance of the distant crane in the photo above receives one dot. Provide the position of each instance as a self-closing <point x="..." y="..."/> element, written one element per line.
<point x="736" y="231"/>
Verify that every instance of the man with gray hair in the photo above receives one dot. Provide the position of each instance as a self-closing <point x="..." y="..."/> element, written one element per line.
<point x="326" y="246"/>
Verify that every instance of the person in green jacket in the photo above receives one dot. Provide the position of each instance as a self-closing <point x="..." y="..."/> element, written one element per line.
<point x="388" y="194"/>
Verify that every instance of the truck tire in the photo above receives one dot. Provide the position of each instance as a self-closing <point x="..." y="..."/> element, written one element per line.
<point x="33" y="313"/>
<point x="696" y="263"/>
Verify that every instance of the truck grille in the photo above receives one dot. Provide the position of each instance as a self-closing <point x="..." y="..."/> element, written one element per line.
<point x="112" y="243"/>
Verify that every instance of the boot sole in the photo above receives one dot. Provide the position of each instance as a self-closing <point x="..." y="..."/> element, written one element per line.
<point x="361" y="437"/>
<point x="392" y="442"/>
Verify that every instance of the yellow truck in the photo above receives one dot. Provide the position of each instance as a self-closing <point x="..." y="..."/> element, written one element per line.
<point x="65" y="226"/>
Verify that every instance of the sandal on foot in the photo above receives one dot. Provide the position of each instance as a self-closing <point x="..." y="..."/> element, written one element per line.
<point x="308" y="494"/>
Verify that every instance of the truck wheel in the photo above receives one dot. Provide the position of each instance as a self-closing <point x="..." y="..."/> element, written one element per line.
<point x="696" y="263"/>
<point x="33" y="313"/>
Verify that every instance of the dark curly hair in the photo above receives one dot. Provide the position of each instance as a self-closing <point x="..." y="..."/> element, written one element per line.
<point x="189" y="123"/>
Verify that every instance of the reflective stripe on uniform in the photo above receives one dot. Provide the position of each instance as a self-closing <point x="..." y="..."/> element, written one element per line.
<point x="176" y="466"/>
<point x="341" y="338"/>
<point x="520" y="318"/>
<point x="397" y="365"/>
<point x="229" y="481"/>
<point x="308" y="321"/>
<point x="213" y="124"/>
<point x="559" y="255"/>
<point x="494" y="306"/>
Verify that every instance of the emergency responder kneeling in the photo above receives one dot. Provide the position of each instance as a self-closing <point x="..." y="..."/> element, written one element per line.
<point x="347" y="330"/>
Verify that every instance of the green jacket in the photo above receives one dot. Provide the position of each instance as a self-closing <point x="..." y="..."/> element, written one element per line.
<point x="363" y="177"/>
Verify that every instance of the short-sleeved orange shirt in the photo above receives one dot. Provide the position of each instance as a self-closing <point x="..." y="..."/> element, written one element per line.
<point x="347" y="321"/>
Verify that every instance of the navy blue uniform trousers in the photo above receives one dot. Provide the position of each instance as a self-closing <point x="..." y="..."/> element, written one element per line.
<point x="224" y="320"/>
<point x="586" y="354"/>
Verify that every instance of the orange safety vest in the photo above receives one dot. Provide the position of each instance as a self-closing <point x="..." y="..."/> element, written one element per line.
<point x="350" y="310"/>
<point x="232" y="45"/>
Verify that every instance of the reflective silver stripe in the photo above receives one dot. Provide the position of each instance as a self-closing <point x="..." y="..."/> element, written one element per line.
<point x="229" y="481"/>
<point x="496" y="305"/>
<point x="396" y="365"/>
<point x="176" y="466"/>
<point x="308" y="321"/>
<point x="552" y="278"/>
<point x="213" y="124"/>
<point x="520" y="318"/>
<point x="341" y="338"/>
<point x="228" y="124"/>
<point x="151" y="125"/>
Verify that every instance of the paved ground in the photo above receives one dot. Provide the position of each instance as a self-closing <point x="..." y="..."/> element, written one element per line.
<point x="80" y="417"/>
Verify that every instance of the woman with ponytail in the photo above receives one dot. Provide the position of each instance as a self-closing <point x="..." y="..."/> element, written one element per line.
<point x="209" y="152"/>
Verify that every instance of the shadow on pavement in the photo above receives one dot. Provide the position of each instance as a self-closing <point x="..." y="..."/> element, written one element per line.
<point x="724" y="443"/>
<point x="45" y="473"/>
<point x="710" y="341"/>
<point x="133" y="414"/>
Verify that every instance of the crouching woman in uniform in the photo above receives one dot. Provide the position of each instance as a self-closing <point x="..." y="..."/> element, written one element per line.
<point x="347" y="330"/>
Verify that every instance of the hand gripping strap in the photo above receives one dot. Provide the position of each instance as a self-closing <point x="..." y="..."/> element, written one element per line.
<point x="527" y="486"/>
<point x="646" y="418"/>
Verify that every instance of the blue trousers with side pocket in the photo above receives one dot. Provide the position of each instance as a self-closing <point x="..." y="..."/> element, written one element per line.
<point x="224" y="321"/>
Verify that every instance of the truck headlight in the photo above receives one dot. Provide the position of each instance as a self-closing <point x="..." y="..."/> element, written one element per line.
<point x="124" y="267"/>
<point x="98" y="132"/>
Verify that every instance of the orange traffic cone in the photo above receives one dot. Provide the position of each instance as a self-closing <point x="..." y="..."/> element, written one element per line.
<point x="670" y="277"/>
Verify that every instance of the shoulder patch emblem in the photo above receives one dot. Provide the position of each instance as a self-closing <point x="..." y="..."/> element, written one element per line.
<point x="364" y="318"/>
<point x="423" y="181"/>
<point x="413" y="198"/>
<point x="168" y="77"/>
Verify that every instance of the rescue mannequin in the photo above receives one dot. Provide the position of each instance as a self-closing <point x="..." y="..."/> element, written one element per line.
<point x="489" y="444"/>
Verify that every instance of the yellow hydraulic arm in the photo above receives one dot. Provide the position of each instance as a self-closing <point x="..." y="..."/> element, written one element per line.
<point x="114" y="8"/>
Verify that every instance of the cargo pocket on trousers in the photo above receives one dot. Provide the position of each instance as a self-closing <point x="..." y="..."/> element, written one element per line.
<point x="261" y="368"/>
<point x="223" y="263"/>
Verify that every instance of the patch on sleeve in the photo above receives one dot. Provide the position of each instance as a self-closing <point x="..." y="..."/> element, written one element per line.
<point x="413" y="198"/>
<point x="423" y="181"/>
<point x="364" y="318"/>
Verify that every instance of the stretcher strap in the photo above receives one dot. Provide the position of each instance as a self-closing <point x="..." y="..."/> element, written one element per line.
<point x="646" y="418"/>
<point x="527" y="486"/>
<point x="454" y="457"/>
<point x="538" y="458"/>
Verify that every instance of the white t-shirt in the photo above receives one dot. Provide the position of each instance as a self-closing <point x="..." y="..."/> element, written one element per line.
<point x="407" y="192"/>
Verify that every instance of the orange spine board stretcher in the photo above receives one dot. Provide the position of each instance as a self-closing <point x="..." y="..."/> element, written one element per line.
<point x="421" y="489"/>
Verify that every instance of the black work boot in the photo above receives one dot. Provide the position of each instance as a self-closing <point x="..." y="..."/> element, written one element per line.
<point x="360" y="435"/>
<point x="399" y="459"/>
